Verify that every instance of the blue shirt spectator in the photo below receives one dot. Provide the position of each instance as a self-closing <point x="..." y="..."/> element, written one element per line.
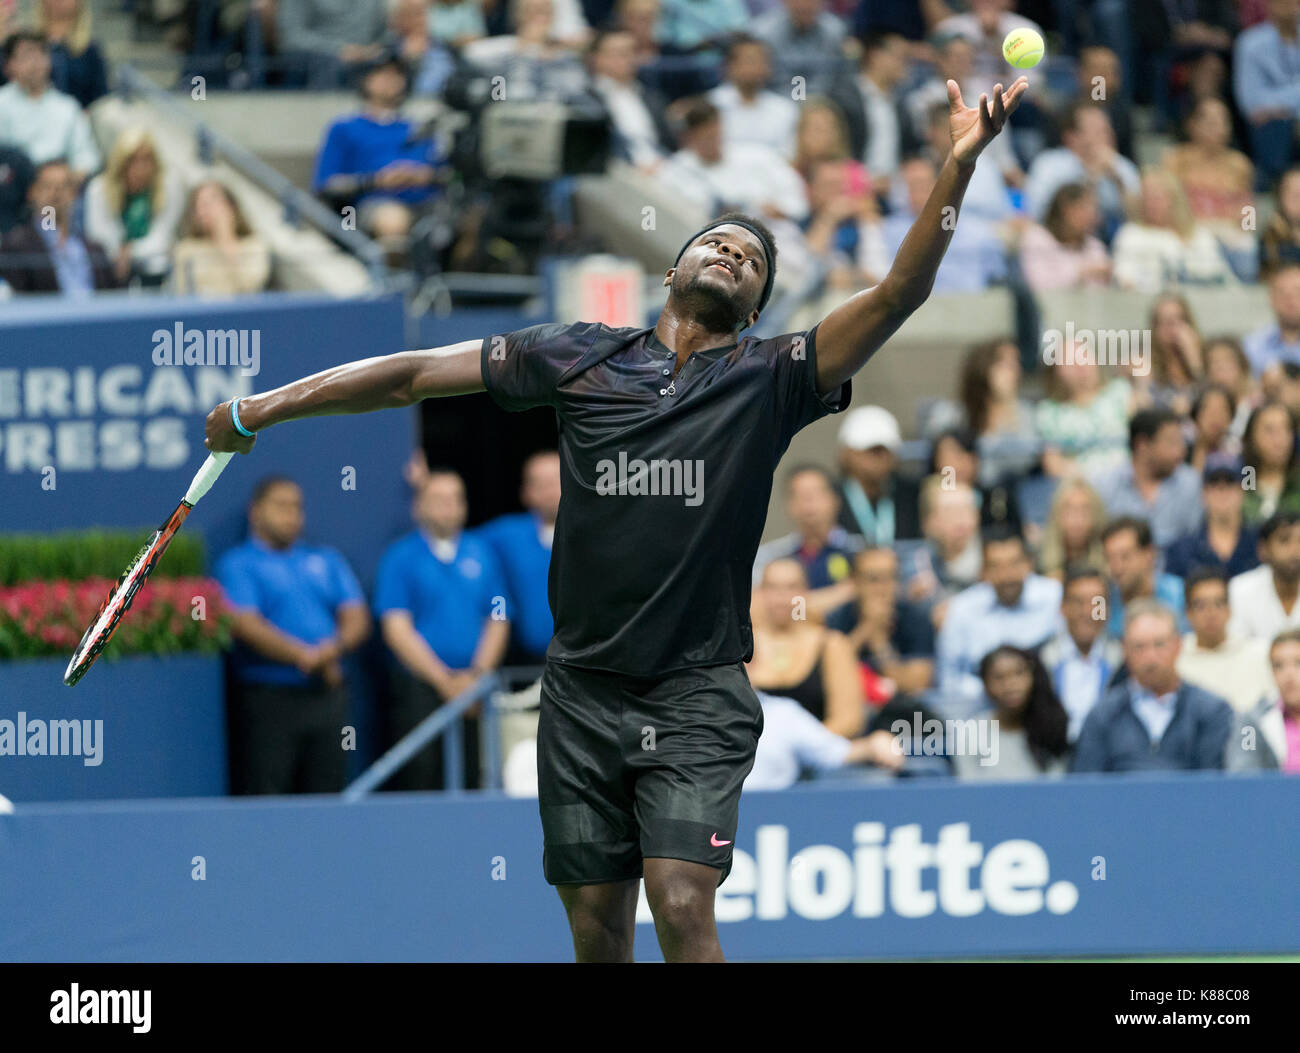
<point x="364" y="145"/>
<point x="1011" y="606"/>
<point x="1266" y="70"/>
<point x="1133" y="729"/>
<point x="1280" y="342"/>
<point x="522" y="546"/>
<point x="1167" y="588"/>
<point x="298" y="589"/>
<point x="448" y="596"/>
<point x="1194" y="550"/>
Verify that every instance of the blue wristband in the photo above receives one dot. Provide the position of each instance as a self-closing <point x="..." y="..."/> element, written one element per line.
<point x="234" y="419"/>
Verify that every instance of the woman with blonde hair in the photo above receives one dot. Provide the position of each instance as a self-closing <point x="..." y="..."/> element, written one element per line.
<point x="133" y="208"/>
<point x="77" y="66"/>
<point x="218" y="254"/>
<point x="820" y="135"/>
<point x="1163" y="244"/>
<point x="1073" y="532"/>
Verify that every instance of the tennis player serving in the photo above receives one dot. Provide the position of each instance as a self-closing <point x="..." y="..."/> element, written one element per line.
<point x="669" y="438"/>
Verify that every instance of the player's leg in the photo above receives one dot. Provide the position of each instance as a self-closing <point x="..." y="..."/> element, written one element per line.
<point x="602" y="919"/>
<point x="691" y="741"/>
<point x="592" y="853"/>
<point x="681" y="898"/>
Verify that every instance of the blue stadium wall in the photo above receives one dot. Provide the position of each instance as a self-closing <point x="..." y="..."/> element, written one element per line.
<point x="1088" y="865"/>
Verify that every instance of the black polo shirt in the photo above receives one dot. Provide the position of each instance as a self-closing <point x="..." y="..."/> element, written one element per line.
<point x="665" y="483"/>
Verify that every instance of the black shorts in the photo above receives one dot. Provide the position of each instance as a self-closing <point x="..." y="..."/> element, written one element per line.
<point x="631" y="768"/>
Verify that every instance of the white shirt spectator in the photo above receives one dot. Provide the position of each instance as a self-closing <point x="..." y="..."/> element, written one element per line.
<point x="156" y="246"/>
<point x="1256" y="610"/>
<point x="631" y="118"/>
<point x="1149" y="258"/>
<point x="793" y="740"/>
<point x="768" y="119"/>
<point x="748" y="177"/>
<point x="49" y="127"/>
<point x="884" y="136"/>
<point x="1237" y="670"/>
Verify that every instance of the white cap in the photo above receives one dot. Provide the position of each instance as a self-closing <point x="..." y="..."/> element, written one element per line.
<point x="870" y="426"/>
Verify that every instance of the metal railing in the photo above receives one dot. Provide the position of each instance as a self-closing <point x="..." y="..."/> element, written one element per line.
<point x="446" y="722"/>
<point x="298" y="206"/>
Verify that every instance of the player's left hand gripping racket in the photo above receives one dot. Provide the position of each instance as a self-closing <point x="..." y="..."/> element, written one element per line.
<point x="118" y="600"/>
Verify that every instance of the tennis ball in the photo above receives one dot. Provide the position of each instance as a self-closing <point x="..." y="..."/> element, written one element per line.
<point x="1023" y="48"/>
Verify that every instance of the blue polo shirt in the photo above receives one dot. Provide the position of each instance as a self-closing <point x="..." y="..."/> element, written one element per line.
<point x="298" y="590"/>
<point x="448" y="602"/>
<point x="525" y="561"/>
<point x="1168" y="590"/>
<point x="361" y="145"/>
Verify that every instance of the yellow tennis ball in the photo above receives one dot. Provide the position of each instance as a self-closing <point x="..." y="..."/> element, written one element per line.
<point x="1023" y="48"/>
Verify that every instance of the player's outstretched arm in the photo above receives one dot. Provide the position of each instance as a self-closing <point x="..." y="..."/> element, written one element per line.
<point x="855" y="330"/>
<point x="386" y="382"/>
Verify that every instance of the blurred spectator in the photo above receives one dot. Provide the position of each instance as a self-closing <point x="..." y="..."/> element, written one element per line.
<point x="749" y="177"/>
<point x="806" y="41"/>
<point x="41" y="120"/>
<point x="1266" y="81"/>
<point x="46" y="254"/>
<point x="641" y="19"/>
<point x="870" y="103"/>
<point x="949" y="561"/>
<point x="1263" y="600"/>
<point x="798" y="658"/>
<point x="975" y="258"/>
<point x="1083" y="657"/>
<point x="1223" y="541"/>
<point x="843" y="227"/>
<point x="1153" y="721"/>
<point x="1169" y="37"/>
<point x="955" y="458"/>
<point x="823" y="549"/>
<point x="378" y="161"/>
<point x="1271" y="463"/>
<point x="429" y="61"/>
<point x="218" y="254"/>
<point x="535" y="60"/>
<point x="456" y="22"/>
<point x="77" y="66"/>
<point x="685" y="25"/>
<point x="1083" y="421"/>
<point x="1086" y="155"/>
<point x="1218" y="180"/>
<point x="1100" y="78"/>
<point x="1073" y="532"/>
<point x="1029" y="718"/>
<point x="891" y="636"/>
<point x="325" y="42"/>
<point x="954" y="60"/>
<point x="794" y="742"/>
<point x="16" y="175"/>
<point x="990" y="405"/>
<point x="298" y="610"/>
<point x="1163" y="244"/>
<point x="1012" y="605"/>
<point x="1213" y="411"/>
<point x="134" y="207"/>
<point x="1232" y="667"/>
<point x="1064" y="253"/>
<point x="638" y="115"/>
<point x="1279" y="242"/>
<point x="1176" y="363"/>
<point x="1279" y="342"/>
<point x="751" y="113"/>
<point x="1131" y="561"/>
<point x="986" y="25"/>
<point x="879" y="505"/>
<point x="1268" y="737"/>
<point x="1226" y="365"/>
<point x="1156" y="484"/>
<point x="821" y="135"/>
<point x="522" y="545"/>
<point x="440" y="598"/>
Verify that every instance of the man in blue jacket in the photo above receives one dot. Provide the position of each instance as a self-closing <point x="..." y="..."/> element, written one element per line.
<point x="1153" y="721"/>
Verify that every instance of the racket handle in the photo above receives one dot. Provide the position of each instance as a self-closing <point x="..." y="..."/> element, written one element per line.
<point x="206" y="476"/>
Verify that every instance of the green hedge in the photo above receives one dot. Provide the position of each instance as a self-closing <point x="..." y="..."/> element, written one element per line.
<point x="80" y="554"/>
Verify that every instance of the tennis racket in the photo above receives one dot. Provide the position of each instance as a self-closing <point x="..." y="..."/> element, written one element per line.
<point x="118" y="600"/>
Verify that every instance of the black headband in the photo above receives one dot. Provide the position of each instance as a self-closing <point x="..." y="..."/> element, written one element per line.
<point x="767" y="255"/>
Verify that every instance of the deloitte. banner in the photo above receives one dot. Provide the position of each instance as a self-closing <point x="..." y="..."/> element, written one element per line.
<point x="1088" y="865"/>
<point x="102" y="406"/>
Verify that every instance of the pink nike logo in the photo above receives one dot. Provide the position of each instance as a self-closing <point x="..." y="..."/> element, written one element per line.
<point x="715" y="842"/>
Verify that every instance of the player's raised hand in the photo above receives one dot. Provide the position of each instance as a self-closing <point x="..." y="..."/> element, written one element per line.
<point x="220" y="434"/>
<point x="973" y="128"/>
